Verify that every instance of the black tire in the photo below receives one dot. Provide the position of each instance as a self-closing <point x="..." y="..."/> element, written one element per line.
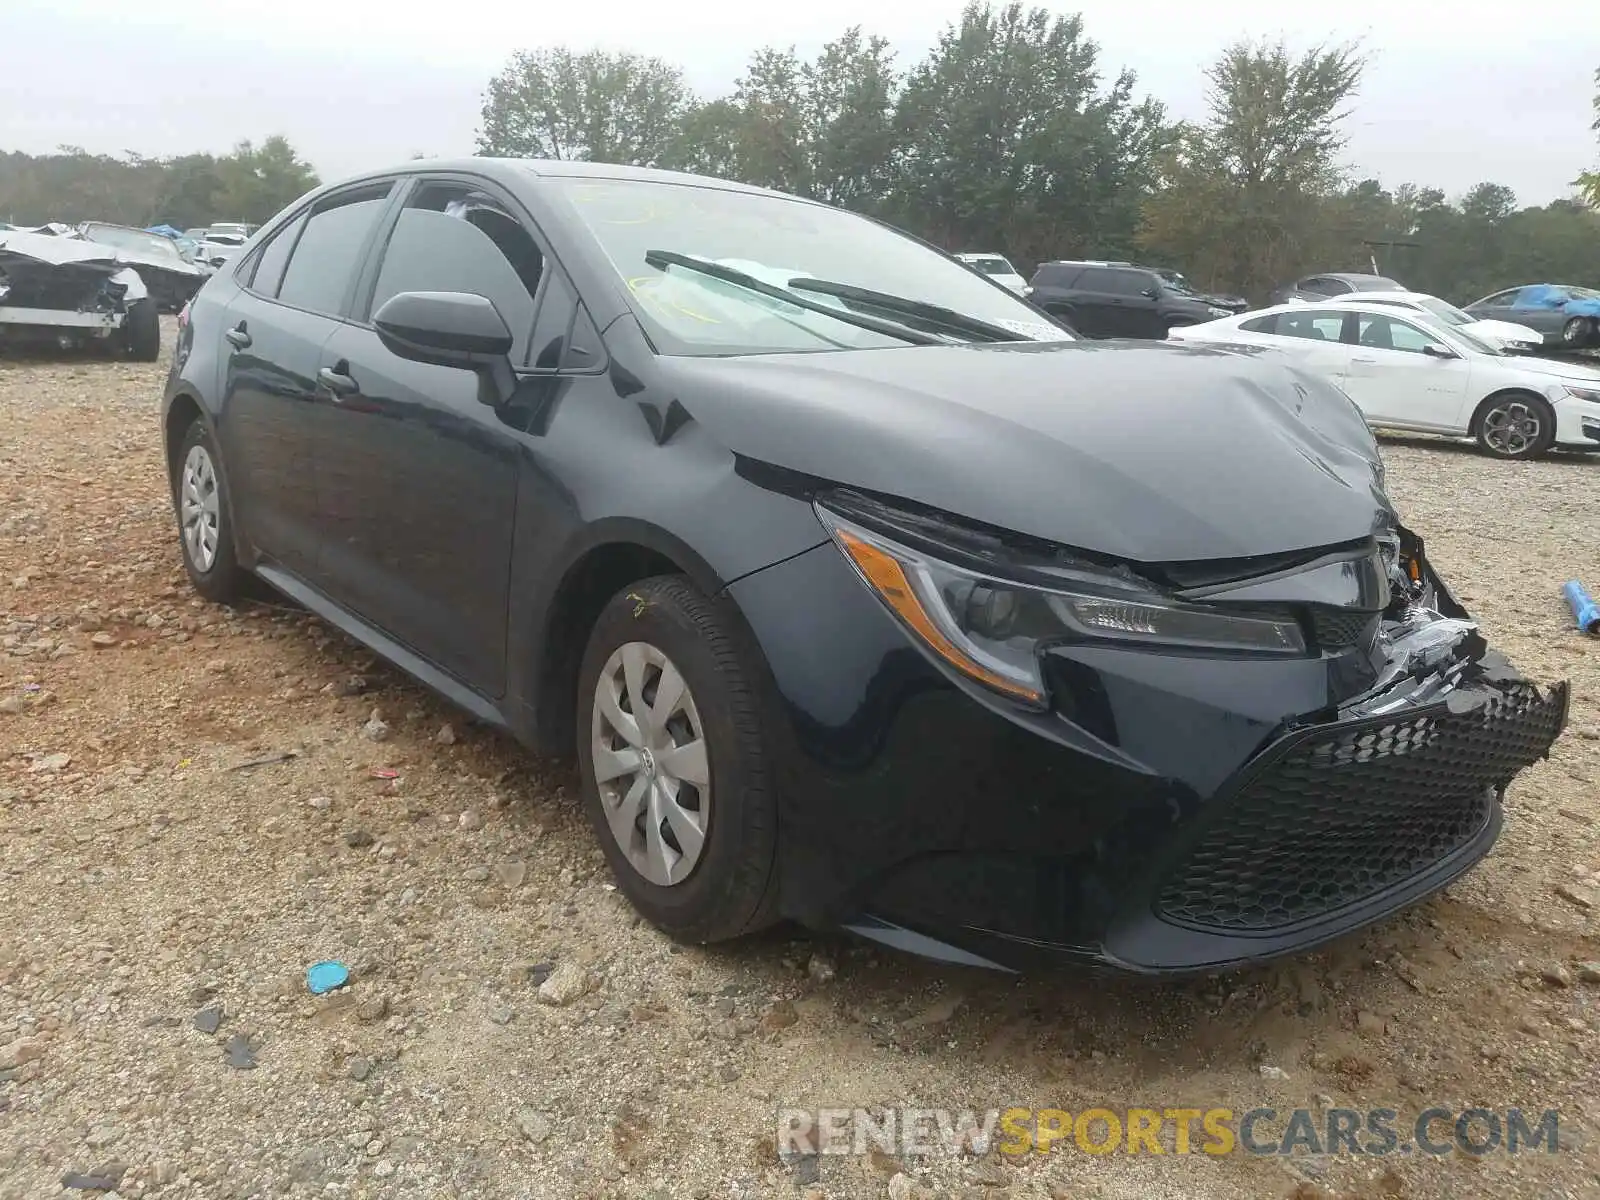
<point x="141" y="332"/>
<point x="731" y="889"/>
<point x="221" y="581"/>
<point x="1523" y="446"/>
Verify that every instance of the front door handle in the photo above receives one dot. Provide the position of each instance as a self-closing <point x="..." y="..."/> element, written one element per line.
<point x="337" y="382"/>
<point x="238" y="337"/>
<point x="1363" y="360"/>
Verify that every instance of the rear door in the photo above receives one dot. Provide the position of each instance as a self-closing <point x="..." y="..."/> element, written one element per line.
<point x="1312" y="335"/>
<point x="274" y="331"/>
<point x="1395" y="381"/>
<point x="420" y="475"/>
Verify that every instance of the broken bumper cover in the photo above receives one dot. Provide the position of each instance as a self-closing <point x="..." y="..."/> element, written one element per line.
<point x="1337" y="825"/>
<point x="1205" y="826"/>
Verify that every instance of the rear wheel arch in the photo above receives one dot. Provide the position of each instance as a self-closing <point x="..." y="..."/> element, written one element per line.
<point x="183" y="412"/>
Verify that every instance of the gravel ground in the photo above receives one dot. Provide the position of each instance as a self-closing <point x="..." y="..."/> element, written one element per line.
<point x="165" y="897"/>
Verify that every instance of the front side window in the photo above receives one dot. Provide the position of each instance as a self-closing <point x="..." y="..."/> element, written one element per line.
<point x="1385" y="333"/>
<point x="325" y="258"/>
<point x="274" y="257"/>
<point x="452" y="237"/>
<point x="776" y="240"/>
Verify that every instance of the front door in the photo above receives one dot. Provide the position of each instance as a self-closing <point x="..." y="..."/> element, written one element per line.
<point x="1394" y="380"/>
<point x="421" y="473"/>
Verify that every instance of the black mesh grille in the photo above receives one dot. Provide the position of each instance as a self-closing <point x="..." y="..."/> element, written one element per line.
<point x="1346" y="812"/>
<point x="1338" y="628"/>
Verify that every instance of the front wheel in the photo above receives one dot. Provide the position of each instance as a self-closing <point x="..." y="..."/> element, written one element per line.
<point x="1518" y="425"/>
<point x="1577" y="332"/>
<point x="141" y="331"/>
<point x="675" y="776"/>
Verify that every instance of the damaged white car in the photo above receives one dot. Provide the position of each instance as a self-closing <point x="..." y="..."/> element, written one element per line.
<point x="68" y="292"/>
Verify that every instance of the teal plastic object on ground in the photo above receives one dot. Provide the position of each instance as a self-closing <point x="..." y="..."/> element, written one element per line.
<point x="1584" y="610"/>
<point x="325" y="976"/>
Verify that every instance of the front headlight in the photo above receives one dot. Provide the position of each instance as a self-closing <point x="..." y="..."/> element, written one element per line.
<point x="1217" y="311"/>
<point x="993" y="629"/>
<point x="1592" y="395"/>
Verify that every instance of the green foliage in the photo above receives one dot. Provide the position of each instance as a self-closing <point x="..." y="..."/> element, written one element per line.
<point x="72" y="185"/>
<point x="599" y="106"/>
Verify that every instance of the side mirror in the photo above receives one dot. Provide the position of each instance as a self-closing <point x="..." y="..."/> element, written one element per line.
<point x="1435" y="350"/>
<point x="1151" y="293"/>
<point x="451" y="329"/>
<point x="218" y="261"/>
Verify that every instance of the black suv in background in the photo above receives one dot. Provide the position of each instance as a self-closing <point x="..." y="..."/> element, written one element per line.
<point x="1106" y="299"/>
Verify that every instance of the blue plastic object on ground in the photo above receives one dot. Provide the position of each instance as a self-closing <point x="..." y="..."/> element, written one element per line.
<point x="1584" y="610"/>
<point x="325" y="976"/>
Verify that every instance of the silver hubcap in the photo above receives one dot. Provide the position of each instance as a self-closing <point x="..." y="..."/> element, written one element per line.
<point x="650" y="763"/>
<point x="1511" y="429"/>
<point x="199" y="508"/>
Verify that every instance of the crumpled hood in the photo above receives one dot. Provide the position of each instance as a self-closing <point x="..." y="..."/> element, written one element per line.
<point x="1146" y="451"/>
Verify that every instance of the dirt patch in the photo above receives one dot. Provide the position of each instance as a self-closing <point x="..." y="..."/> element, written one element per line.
<point x="150" y="874"/>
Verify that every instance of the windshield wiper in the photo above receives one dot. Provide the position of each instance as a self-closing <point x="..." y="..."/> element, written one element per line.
<point x="662" y="259"/>
<point x="934" y="314"/>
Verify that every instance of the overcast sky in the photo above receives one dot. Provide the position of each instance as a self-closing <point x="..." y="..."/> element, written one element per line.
<point x="1453" y="95"/>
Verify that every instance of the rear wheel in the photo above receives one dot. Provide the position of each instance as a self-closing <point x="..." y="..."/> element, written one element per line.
<point x="675" y="776"/>
<point x="141" y="331"/>
<point x="205" y="524"/>
<point x="1516" y="425"/>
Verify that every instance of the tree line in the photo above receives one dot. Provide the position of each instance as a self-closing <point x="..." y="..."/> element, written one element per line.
<point x="1011" y="134"/>
<point x="248" y="184"/>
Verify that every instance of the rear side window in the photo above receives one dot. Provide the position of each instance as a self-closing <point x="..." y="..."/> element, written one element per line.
<point x="1114" y="282"/>
<point x="453" y="238"/>
<point x="274" y="257"/>
<point x="1266" y="324"/>
<point x="325" y="259"/>
<point x="1314" y="325"/>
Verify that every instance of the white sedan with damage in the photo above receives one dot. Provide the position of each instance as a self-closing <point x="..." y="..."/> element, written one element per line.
<point x="1406" y="371"/>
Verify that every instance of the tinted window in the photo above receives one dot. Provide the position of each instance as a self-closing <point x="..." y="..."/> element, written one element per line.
<point x="1374" y="283"/>
<point x="1321" y="285"/>
<point x="1499" y="299"/>
<point x="325" y="258"/>
<point x="1266" y="324"/>
<point x="274" y="256"/>
<point x="1313" y="324"/>
<point x="1054" y="275"/>
<point x="1117" y="283"/>
<point x="1385" y="333"/>
<point x="451" y="238"/>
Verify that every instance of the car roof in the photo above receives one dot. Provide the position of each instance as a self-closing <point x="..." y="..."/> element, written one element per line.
<point x="512" y="172"/>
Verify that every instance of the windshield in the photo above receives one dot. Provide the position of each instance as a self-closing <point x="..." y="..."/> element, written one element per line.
<point x="775" y="240"/>
<point x="1583" y="293"/>
<point x="132" y="239"/>
<point x="1175" y="282"/>
<point x="1446" y="312"/>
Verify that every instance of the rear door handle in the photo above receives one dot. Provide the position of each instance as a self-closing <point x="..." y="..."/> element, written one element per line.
<point x="1364" y="360"/>
<point x="337" y="382"/>
<point x="238" y="337"/>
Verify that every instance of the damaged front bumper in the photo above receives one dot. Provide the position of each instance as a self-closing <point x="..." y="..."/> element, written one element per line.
<point x="1170" y="813"/>
<point x="63" y="289"/>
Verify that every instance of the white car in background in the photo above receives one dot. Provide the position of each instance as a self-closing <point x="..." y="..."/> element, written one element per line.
<point x="1506" y="334"/>
<point x="998" y="268"/>
<point x="1406" y="371"/>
